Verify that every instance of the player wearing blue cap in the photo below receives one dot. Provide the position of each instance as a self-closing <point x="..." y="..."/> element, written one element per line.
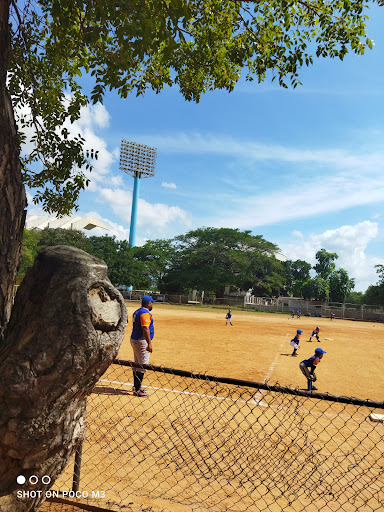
<point x="228" y="317"/>
<point x="308" y="367"/>
<point x="295" y="342"/>
<point x="141" y="341"/>
<point x="315" y="333"/>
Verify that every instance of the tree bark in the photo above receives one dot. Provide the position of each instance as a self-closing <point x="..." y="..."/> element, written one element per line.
<point x="66" y="327"/>
<point x="12" y="194"/>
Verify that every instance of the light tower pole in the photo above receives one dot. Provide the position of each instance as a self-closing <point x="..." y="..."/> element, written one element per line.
<point x="139" y="161"/>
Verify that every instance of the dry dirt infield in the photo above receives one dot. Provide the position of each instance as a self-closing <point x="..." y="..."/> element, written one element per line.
<point x="256" y="348"/>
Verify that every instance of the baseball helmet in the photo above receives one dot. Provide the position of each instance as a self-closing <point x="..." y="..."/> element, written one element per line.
<point x="299" y="331"/>
<point x="318" y="328"/>
<point x="320" y="351"/>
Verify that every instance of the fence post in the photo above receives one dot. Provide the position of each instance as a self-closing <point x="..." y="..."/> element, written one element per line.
<point x="77" y="468"/>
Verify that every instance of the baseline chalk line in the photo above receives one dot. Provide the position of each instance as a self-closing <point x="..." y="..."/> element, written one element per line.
<point x="252" y="402"/>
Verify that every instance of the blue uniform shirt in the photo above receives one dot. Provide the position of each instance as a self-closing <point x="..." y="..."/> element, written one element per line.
<point x="312" y="362"/>
<point x="296" y="339"/>
<point x="142" y="317"/>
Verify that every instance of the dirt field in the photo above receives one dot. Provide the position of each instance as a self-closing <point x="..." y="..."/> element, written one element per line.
<point x="257" y="348"/>
<point x="277" y="452"/>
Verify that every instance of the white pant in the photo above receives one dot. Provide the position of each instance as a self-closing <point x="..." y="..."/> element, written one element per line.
<point x="140" y="352"/>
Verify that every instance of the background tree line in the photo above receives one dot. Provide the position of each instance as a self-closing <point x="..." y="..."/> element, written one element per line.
<point x="210" y="259"/>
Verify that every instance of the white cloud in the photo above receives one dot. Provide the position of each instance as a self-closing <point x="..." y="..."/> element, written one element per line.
<point x="92" y="117"/>
<point x="321" y="196"/>
<point x="116" y="181"/>
<point x="29" y="199"/>
<point x="323" y="179"/>
<point x="120" y="232"/>
<point x="168" y="185"/>
<point x="200" y="143"/>
<point x="349" y="242"/>
<point x="154" y="220"/>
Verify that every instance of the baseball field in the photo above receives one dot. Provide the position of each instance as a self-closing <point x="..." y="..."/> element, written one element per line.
<point x="257" y="348"/>
<point x="277" y="452"/>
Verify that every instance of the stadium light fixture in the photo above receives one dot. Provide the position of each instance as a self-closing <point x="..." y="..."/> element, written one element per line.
<point x="139" y="161"/>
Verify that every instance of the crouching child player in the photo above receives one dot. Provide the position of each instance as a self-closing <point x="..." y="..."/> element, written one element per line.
<point x="308" y="367"/>
<point x="295" y="342"/>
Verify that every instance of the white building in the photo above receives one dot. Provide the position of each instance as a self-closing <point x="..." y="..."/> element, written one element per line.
<point x="46" y="221"/>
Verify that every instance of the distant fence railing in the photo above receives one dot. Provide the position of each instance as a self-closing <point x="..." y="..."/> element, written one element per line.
<point x="373" y="313"/>
<point x="206" y="443"/>
<point x="275" y="305"/>
<point x="215" y="301"/>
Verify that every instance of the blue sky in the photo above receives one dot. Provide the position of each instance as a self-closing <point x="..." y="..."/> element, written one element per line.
<point x="303" y="167"/>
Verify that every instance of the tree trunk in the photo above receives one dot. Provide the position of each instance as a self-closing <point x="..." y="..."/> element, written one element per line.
<point x="66" y="327"/>
<point x="12" y="193"/>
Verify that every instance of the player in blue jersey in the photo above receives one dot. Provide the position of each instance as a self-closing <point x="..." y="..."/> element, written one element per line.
<point x="315" y="333"/>
<point x="141" y="341"/>
<point x="295" y="342"/>
<point x="308" y="367"/>
<point x="228" y="317"/>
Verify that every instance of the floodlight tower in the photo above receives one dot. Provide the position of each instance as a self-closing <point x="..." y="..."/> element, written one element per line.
<point x="139" y="161"/>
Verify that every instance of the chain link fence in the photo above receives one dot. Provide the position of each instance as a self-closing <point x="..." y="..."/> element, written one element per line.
<point x="201" y="443"/>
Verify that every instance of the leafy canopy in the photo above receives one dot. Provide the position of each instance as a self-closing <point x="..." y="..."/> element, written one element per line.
<point x="206" y="258"/>
<point x="211" y="258"/>
<point x="325" y="263"/>
<point x="340" y="285"/>
<point x="134" y="45"/>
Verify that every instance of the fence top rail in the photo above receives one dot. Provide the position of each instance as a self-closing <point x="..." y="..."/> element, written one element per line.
<point x="250" y="384"/>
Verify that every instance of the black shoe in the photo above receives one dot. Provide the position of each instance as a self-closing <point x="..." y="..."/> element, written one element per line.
<point x="314" y="388"/>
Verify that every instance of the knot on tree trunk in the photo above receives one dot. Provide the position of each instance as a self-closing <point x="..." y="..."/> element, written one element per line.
<point x="66" y="327"/>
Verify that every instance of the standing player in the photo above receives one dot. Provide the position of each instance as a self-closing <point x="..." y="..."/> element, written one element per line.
<point x="292" y="313"/>
<point x="308" y="367"/>
<point x="298" y="313"/>
<point x="228" y="317"/>
<point x="295" y="342"/>
<point x="332" y="315"/>
<point x="141" y="341"/>
<point x="315" y="332"/>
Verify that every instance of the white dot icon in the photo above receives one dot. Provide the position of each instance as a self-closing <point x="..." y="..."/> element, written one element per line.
<point x="21" y="479"/>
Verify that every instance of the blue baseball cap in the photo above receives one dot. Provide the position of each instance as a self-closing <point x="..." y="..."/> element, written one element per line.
<point x="299" y="331"/>
<point x="320" y="351"/>
<point x="147" y="298"/>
